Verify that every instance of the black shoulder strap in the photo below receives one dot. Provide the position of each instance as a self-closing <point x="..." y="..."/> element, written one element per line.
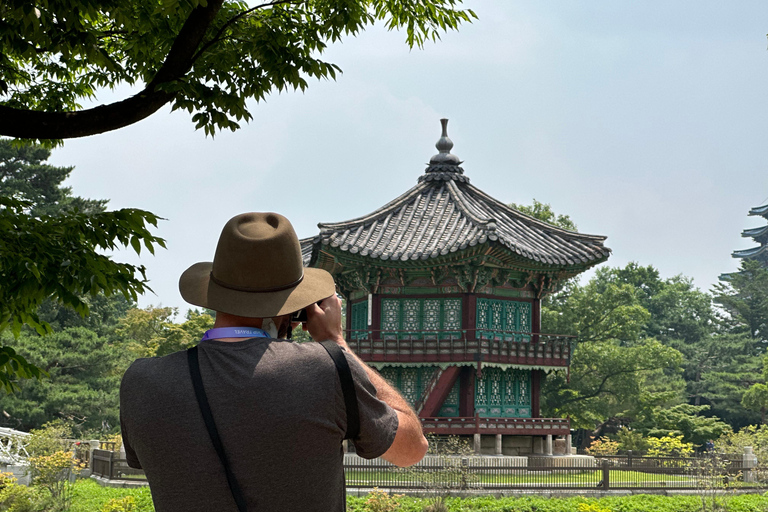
<point x="205" y="409"/>
<point x="347" y="387"/>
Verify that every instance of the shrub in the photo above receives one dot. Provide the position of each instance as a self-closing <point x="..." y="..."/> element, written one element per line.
<point x="19" y="498"/>
<point x="752" y="435"/>
<point x="124" y="504"/>
<point x="603" y="446"/>
<point x="380" y="501"/>
<point x="592" y="507"/>
<point x="632" y="440"/>
<point x="669" y="446"/>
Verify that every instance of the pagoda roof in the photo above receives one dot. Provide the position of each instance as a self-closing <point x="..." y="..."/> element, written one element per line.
<point x="760" y="252"/>
<point x="760" y="210"/>
<point x="760" y="234"/>
<point x="443" y="214"/>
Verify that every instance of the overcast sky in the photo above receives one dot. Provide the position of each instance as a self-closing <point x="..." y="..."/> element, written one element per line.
<point x="643" y="121"/>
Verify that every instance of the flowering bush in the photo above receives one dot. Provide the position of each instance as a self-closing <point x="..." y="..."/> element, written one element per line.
<point x="603" y="446"/>
<point x="124" y="504"/>
<point x="380" y="501"/>
<point x="669" y="446"/>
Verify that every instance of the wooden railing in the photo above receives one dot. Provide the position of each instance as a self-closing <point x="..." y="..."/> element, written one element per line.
<point x="506" y="426"/>
<point x="108" y="464"/>
<point x="507" y="347"/>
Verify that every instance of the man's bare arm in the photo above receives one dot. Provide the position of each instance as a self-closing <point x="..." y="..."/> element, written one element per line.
<point x="409" y="445"/>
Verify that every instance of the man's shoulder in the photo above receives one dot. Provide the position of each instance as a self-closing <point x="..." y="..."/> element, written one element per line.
<point x="153" y="367"/>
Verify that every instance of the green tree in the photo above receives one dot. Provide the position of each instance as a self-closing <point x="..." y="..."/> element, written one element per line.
<point x="544" y="213"/>
<point x="84" y="370"/>
<point x="686" y="420"/>
<point x="151" y="331"/>
<point x="744" y="300"/>
<point x="51" y="252"/>
<point x="618" y="373"/>
<point x="756" y="397"/>
<point x="25" y="175"/>
<point x="204" y="56"/>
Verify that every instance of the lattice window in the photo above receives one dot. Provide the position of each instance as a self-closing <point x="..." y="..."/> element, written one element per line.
<point x="505" y="393"/>
<point x="409" y="384"/>
<point x="480" y="393"/>
<point x="452" y="314"/>
<point x="390" y="315"/>
<point x="500" y="319"/>
<point x="360" y="320"/>
<point x="482" y="314"/>
<point x="524" y="387"/>
<point x="390" y="374"/>
<point x="421" y="318"/>
<point x="524" y="319"/>
<point x="431" y="318"/>
<point x="509" y="386"/>
<point x="494" y="378"/>
<point x="411" y="314"/>
<point x="497" y="316"/>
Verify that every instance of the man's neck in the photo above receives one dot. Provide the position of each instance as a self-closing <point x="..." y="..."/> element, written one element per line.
<point x="227" y="320"/>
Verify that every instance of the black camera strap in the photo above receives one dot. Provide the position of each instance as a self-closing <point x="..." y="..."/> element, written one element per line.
<point x="347" y="387"/>
<point x="205" y="409"/>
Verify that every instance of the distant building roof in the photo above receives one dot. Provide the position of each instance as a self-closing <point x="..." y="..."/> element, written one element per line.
<point x="759" y="235"/>
<point x="444" y="213"/>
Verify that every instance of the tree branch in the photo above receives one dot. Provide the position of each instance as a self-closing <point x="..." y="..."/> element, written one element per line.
<point x="33" y="124"/>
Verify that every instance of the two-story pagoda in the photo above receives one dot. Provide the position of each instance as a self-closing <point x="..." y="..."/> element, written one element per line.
<point x="443" y="289"/>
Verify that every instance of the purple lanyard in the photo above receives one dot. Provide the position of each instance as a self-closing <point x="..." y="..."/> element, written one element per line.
<point x="234" y="332"/>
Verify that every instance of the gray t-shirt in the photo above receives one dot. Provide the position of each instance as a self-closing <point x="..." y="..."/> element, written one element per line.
<point x="279" y="409"/>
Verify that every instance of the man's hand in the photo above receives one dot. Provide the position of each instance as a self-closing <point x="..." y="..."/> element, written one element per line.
<point x="324" y="321"/>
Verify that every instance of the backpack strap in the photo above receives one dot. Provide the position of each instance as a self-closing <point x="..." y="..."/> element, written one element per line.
<point x="347" y="387"/>
<point x="205" y="409"/>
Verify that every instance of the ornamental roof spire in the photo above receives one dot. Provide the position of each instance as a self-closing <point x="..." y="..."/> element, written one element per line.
<point x="444" y="165"/>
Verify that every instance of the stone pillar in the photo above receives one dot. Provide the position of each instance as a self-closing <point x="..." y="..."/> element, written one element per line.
<point x="477" y="444"/>
<point x="749" y="462"/>
<point x="548" y="450"/>
<point x="569" y="445"/>
<point x="498" y="444"/>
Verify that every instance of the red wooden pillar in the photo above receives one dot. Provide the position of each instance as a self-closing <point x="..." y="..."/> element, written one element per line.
<point x="467" y="392"/>
<point x="535" y="393"/>
<point x="469" y="315"/>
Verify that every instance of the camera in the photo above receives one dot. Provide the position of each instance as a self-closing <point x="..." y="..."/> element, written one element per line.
<point x="301" y="315"/>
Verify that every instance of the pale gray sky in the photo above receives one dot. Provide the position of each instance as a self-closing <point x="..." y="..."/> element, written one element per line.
<point x="644" y="121"/>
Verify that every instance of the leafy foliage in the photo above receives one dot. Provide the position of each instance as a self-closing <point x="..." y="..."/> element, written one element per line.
<point x="687" y="421"/>
<point x="753" y="435"/>
<point x="24" y="175"/>
<point x="151" y="332"/>
<point x="544" y="213"/>
<point x="603" y="446"/>
<point x="60" y="258"/>
<point x="205" y="57"/>
<point x="84" y="370"/>
<point x="669" y="446"/>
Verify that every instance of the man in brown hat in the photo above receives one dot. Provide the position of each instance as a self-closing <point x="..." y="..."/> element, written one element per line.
<point x="248" y="420"/>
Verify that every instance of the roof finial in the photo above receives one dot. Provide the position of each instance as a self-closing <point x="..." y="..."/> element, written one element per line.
<point x="445" y="144"/>
<point x="445" y="164"/>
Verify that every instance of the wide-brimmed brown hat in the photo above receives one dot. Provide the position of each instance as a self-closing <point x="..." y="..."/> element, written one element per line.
<point x="257" y="271"/>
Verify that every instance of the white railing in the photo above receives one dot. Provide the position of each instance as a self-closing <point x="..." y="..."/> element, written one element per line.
<point x="13" y="446"/>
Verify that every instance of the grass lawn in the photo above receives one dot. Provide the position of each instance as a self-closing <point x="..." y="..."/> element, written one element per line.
<point x="89" y="496"/>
